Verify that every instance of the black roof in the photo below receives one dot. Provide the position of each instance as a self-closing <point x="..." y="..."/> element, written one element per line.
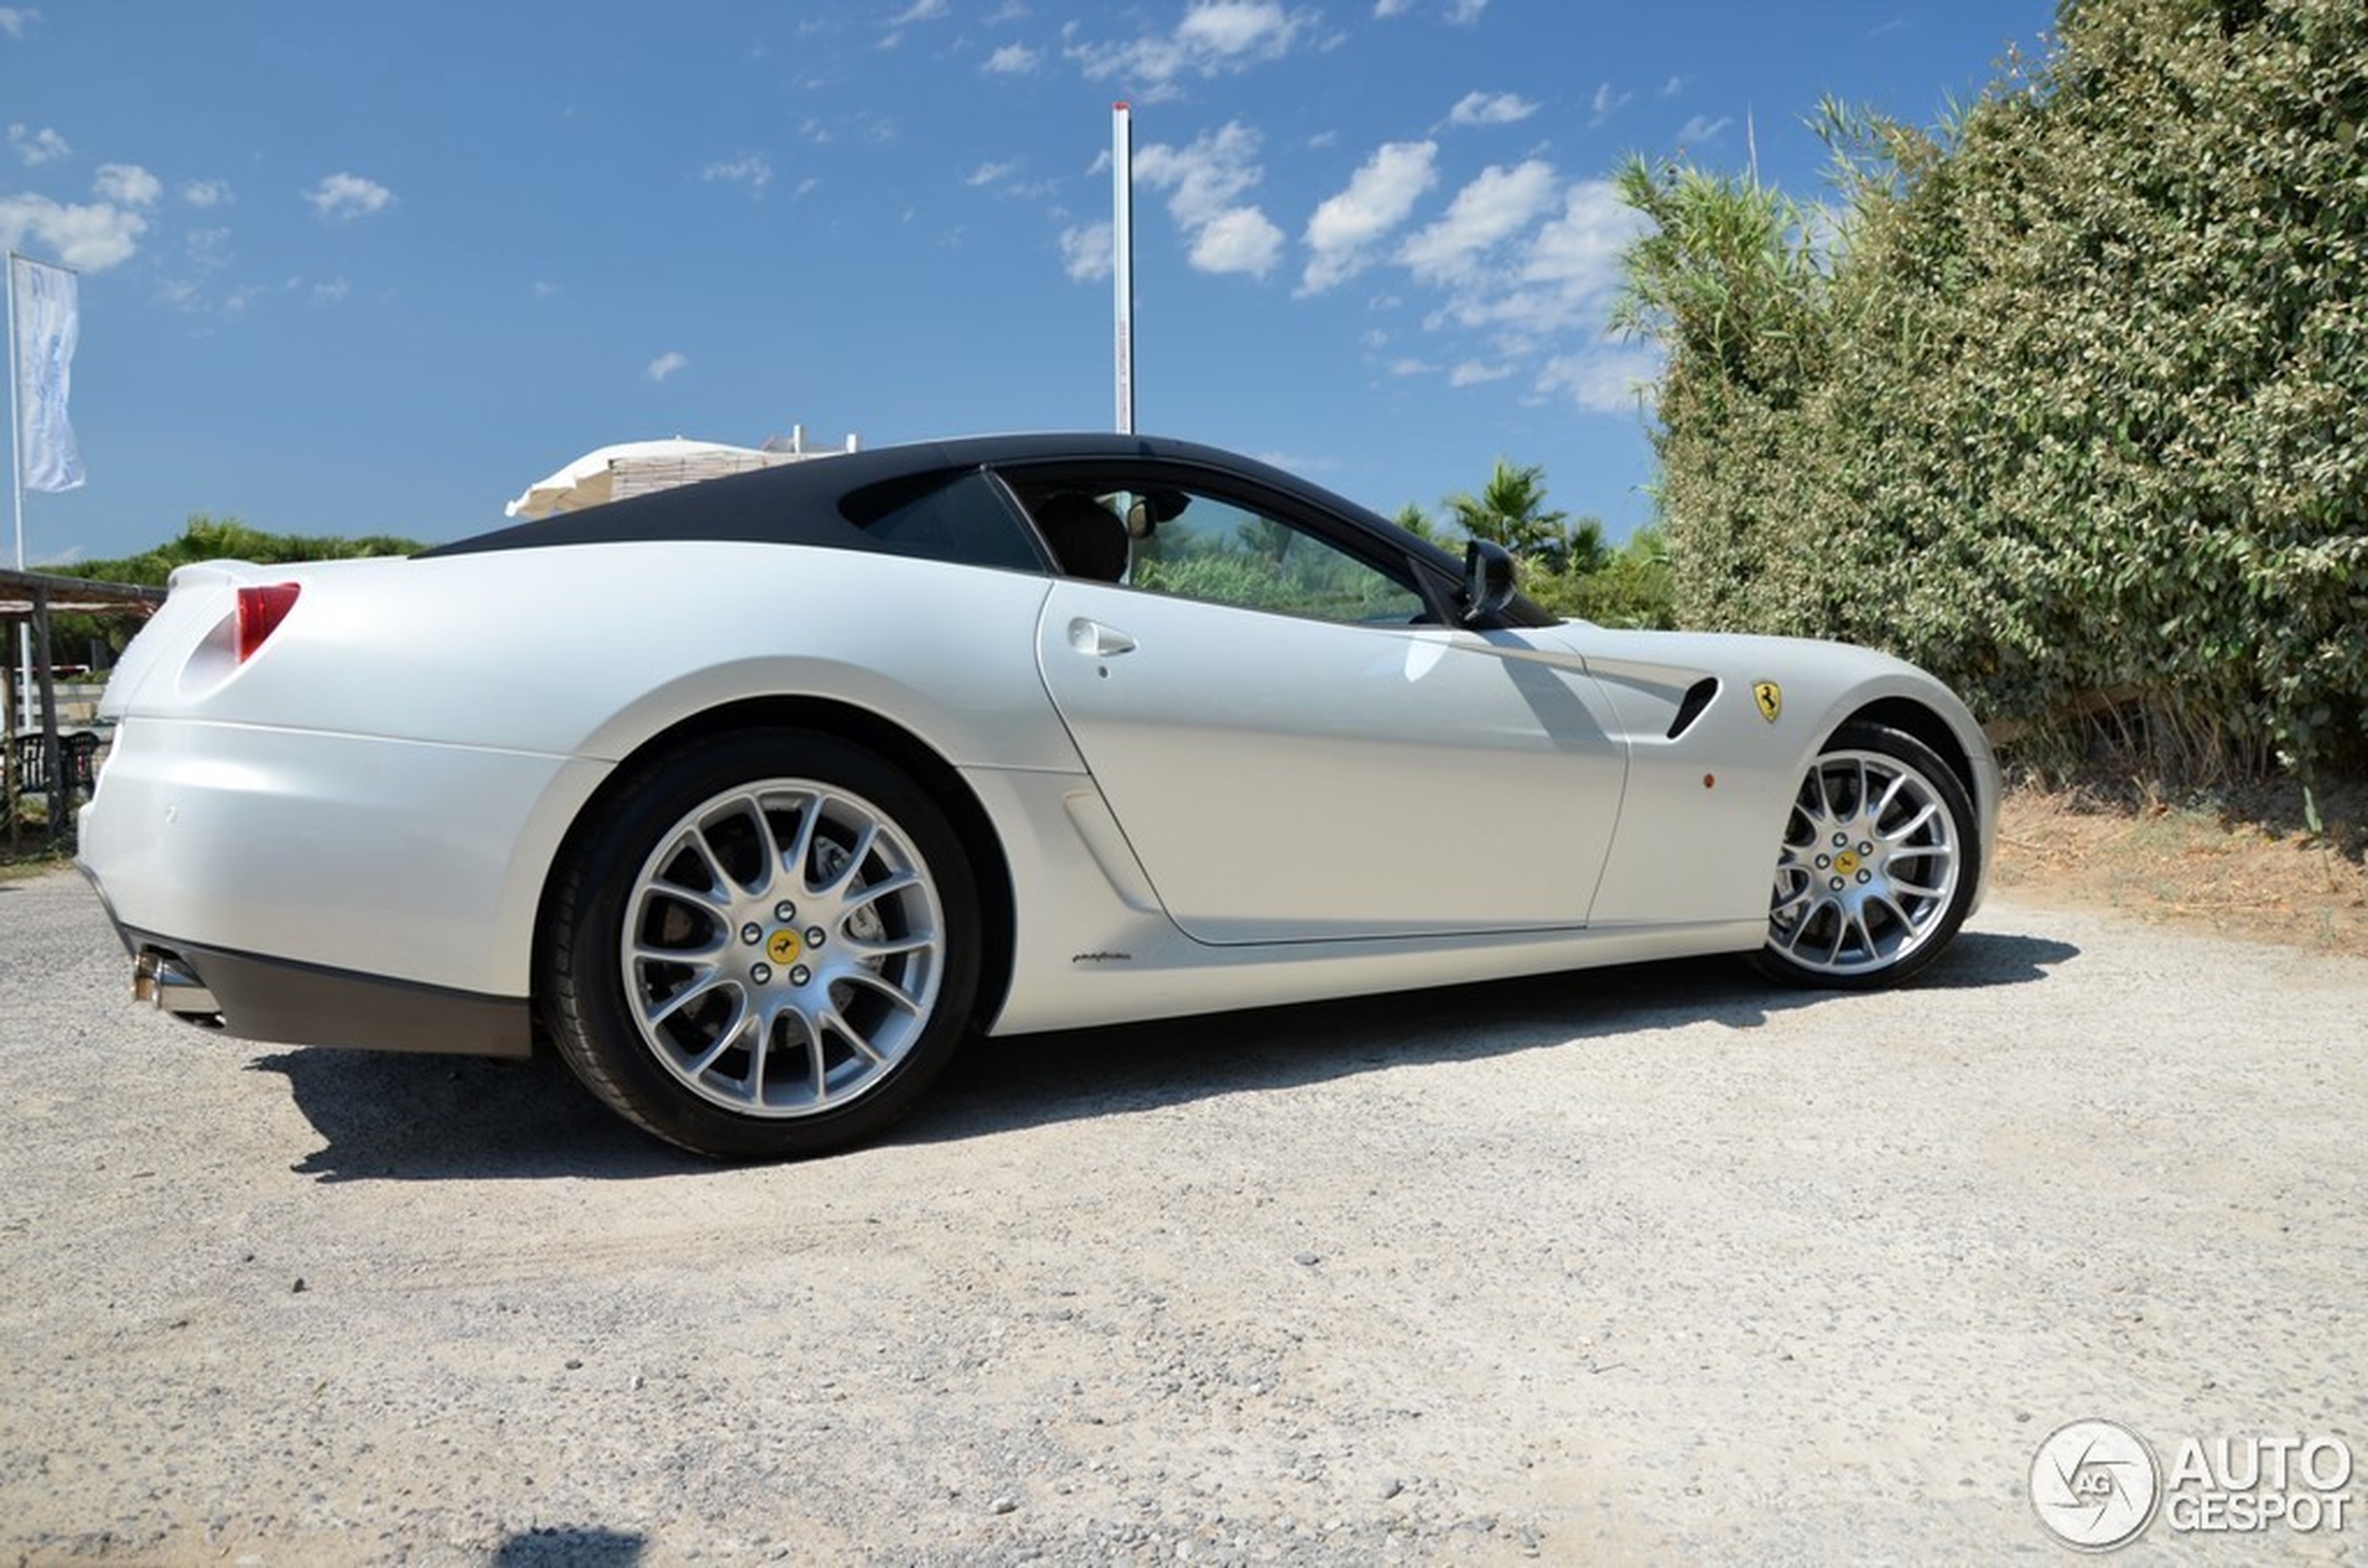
<point x="818" y="502"/>
<point x="798" y="503"/>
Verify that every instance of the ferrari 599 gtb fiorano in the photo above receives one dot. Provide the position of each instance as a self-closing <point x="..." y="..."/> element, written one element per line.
<point x="757" y="795"/>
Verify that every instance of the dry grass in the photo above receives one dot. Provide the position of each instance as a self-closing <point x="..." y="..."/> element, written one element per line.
<point x="30" y="857"/>
<point x="2246" y="863"/>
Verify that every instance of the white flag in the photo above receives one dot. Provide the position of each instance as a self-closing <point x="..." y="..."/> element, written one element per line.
<point x="43" y="298"/>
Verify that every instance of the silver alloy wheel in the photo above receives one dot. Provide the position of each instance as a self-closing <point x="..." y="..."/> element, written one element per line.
<point x="783" y="948"/>
<point x="1869" y="869"/>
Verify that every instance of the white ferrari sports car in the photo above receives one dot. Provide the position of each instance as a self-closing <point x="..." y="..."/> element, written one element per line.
<point x="756" y="796"/>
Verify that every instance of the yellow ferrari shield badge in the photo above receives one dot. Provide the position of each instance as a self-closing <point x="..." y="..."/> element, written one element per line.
<point x="1771" y="698"/>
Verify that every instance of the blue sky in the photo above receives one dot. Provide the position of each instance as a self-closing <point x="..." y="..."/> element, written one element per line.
<point x="355" y="268"/>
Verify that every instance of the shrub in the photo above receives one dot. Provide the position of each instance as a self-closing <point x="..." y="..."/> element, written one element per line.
<point x="2065" y="403"/>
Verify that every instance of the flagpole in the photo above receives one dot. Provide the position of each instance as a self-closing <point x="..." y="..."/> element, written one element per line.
<point x="51" y="310"/>
<point x="1122" y="254"/>
<point x="16" y="476"/>
<point x="16" y="418"/>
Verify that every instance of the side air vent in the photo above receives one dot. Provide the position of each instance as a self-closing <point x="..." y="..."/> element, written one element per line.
<point x="1697" y="697"/>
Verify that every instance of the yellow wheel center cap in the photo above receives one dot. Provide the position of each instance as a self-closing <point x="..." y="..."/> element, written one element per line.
<point x="784" y="947"/>
<point x="1846" y="862"/>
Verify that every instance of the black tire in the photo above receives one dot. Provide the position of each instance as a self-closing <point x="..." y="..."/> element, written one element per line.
<point x="1880" y="858"/>
<point x="730" y="1030"/>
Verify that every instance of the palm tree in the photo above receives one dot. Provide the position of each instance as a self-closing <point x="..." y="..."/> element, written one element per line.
<point x="1511" y="509"/>
<point x="1414" y="520"/>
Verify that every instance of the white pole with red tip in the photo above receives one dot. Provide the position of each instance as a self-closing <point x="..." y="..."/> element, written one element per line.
<point x="1122" y="254"/>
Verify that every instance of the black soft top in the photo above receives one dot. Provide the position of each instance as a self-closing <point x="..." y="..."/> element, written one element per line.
<point x="840" y="501"/>
<point x="809" y="502"/>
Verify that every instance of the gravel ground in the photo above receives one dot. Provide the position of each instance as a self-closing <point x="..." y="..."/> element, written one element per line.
<point x="1654" y="1263"/>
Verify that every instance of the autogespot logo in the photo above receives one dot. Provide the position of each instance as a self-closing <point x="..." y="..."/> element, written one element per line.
<point x="2095" y="1485"/>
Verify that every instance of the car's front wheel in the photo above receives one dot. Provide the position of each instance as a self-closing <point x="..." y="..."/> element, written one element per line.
<point x="1876" y="867"/>
<point x="767" y="947"/>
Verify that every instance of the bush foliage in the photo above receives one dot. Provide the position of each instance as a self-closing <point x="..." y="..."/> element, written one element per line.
<point x="2066" y="401"/>
<point x="1566" y="566"/>
<point x="206" y="538"/>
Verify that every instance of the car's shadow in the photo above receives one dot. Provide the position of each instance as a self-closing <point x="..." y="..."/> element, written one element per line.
<point x="398" y="1117"/>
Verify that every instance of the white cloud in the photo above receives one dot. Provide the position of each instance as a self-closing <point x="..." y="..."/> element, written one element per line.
<point x="38" y="147"/>
<point x="1674" y="86"/>
<point x="1559" y="278"/>
<point x="1379" y="197"/>
<point x="1216" y="37"/>
<point x="1604" y="377"/>
<point x="1606" y="103"/>
<point x="1493" y="208"/>
<point x="1242" y="240"/>
<point x="17" y="20"/>
<point x="666" y="364"/>
<point x="1228" y="29"/>
<point x="191" y="297"/>
<point x="129" y="185"/>
<point x="331" y="293"/>
<point x="991" y="174"/>
<point x="919" y="11"/>
<point x="1384" y="9"/>
<point x="349" y="196"/>
<point x="753" y="170"/>
<point x="1086" y="251"/>
<point x="1474" y="373"/>
<point x="1491" y="108"/>
<point x="207" y="193"/>
<point x="1526" y="265"/>
<point x="90" y="238"/>
<point x="208" y="248"/>
<point x="1204" y="183"/>
<point x="1204" y="177"/>
<point x="1579" y="251"/>
<point x="1702" y="129"/>
<point x="1464" y="13"/>
<point x="1012" y="59"/>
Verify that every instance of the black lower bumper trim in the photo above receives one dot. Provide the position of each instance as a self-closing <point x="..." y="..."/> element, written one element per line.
<point x="279" y="1001"/>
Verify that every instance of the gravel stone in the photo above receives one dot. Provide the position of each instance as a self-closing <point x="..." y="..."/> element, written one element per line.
<point x="1657" y="1263"/>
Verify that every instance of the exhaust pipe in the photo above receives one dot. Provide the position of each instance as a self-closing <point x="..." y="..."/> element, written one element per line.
<point x="165" y="981"/>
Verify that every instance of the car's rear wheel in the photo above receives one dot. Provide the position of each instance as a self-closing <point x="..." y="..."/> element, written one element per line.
<point x="1876" y="867"/>
<point x="766" y="947"/>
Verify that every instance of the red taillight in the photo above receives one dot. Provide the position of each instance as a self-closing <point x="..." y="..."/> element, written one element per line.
<point x="260" y="612"/>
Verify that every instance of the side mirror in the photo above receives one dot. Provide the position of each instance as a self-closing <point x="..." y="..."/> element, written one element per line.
<point x="1488" y="580"/>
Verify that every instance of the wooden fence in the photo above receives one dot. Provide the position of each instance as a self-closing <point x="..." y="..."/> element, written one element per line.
<point x="40" y="762"/>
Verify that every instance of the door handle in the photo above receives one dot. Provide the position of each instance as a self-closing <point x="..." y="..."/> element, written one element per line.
<point x="1096" y="640"/>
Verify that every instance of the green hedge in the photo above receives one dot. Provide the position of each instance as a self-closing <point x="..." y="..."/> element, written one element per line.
<point x="2068" y="402"/>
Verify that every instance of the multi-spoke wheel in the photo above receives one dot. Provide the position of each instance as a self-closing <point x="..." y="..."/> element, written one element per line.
<point x="1876" y="866"/>
<point x="767" y="946"/>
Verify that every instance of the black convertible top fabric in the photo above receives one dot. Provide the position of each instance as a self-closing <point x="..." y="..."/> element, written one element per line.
<point x="827" y="500"/>
<point x="798" y="503"/>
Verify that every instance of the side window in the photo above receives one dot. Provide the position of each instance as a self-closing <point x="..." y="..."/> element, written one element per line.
<point x="960" y="518"/>
<point x="1206" y="547"/>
